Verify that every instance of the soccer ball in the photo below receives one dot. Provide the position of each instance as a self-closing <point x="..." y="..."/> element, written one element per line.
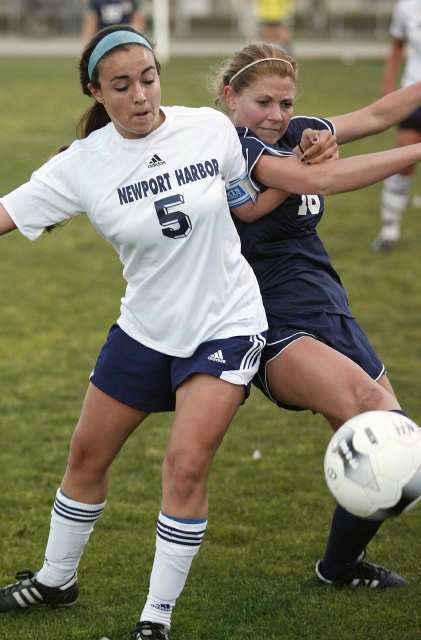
<point x="373" y="464"/>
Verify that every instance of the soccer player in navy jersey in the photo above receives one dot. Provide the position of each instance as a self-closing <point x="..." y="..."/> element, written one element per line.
<point x="100" y="14"/>
<point x="317" y="357"/>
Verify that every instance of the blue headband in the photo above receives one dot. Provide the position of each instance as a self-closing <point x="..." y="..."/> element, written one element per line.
<point x="111" y="41"/>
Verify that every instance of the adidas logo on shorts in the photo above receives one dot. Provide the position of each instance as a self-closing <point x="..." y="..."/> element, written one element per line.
<point x="218" y="356"/>
<point x="156" y="161"/>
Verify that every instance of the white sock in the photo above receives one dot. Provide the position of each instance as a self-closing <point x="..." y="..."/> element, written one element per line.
<point x="394" y="199"/>
<point x="177" y="542"/>
<point x="72" y="523"/>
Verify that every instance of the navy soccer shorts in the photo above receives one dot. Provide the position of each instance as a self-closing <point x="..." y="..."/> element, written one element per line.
<point x="147" y="379"/>
<point x="413" y="121"/>
<point x="340" y="332"/>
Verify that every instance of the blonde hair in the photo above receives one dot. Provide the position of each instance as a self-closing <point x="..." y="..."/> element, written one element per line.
<point x="241" y="69"/>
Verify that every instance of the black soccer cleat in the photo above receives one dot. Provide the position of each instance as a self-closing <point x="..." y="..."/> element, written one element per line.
<point x="362" y="574"/>
<point x="151" y="631"/>
<point x="145" y="629"/>
<point x="28" y="592"/>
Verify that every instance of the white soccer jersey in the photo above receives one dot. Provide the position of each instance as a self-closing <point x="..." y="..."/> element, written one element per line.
<point x="161" y="201"/>
<point x="406" y="25"/>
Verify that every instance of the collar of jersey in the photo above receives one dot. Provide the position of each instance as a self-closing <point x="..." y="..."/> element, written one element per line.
<point x="279" y="145"/>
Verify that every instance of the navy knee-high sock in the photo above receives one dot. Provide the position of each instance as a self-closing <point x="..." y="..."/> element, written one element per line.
<point x="349" y="535"/>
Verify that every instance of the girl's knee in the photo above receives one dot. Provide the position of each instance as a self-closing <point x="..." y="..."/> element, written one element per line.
<point x="184" y="473"/>
<point x="370" y="396"/>
<point x="84" y="457"/>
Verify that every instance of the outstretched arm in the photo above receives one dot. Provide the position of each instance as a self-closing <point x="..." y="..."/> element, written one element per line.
<point x="316" y="146"/>
<point x="6" y="222"/>
<point x="385" y="112"/>
<point x="336" y="176"/>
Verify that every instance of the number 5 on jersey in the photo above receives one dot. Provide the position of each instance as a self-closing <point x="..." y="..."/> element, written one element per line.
<point x="177" y="224"/>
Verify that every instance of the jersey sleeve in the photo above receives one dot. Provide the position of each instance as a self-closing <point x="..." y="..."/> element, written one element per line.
<point x="50" y="196"/>
<point x="398" y="25"/>
<point x="239" y="188"/>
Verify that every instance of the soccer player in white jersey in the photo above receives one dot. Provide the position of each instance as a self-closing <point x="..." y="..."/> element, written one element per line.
<point x="157" y="183"/>
<point x="405" y="30"/>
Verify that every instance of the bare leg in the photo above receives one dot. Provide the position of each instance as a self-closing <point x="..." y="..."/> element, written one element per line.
<point x="394" y="198"/>
<point x="104" y="426"/>
<point x="383" y="382"/>
<point x="386" y="384"/>
<point x="277" y="34"/>
<point x="204" y="409"/>
<point x="312" y="375"/>
<point x="403" y="138"/>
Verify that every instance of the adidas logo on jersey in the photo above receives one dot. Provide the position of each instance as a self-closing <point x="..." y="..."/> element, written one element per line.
<point x="156" y="161"/>
<point x="218" y="356"/>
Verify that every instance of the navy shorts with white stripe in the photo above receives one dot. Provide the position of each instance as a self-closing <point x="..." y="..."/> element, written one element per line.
<point x="147" y="379"/>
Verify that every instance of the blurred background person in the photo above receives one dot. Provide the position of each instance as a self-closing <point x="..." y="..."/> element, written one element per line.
<point x="245" y="16"/>
<point x="405" y="30"/>
<point x="185" y="10"/>
<point x="274" y="19"/>
<point x="104" y="13"/>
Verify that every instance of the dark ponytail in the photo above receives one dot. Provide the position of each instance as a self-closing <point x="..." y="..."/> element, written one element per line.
<point x="94" y="118"/>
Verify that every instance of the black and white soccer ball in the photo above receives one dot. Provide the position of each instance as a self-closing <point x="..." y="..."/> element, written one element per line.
<point x="373" y="464"/>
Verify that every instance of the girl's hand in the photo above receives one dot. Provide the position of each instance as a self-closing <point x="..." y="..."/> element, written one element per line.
<point x="316" y="147"/>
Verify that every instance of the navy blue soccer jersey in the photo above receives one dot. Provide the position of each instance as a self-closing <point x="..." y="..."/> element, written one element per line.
<point x="111" y="12"/>
<point x="291" y="264"/>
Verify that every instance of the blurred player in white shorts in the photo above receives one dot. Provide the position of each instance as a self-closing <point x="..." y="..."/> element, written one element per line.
<point x="405" y="30"/>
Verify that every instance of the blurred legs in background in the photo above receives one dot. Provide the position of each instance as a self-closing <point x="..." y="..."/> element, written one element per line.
<point x="274" y="18"/>
<point x="395" y="196"/>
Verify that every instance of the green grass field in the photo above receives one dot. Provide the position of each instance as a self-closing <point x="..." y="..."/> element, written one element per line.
<point x="268" y="518"/>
